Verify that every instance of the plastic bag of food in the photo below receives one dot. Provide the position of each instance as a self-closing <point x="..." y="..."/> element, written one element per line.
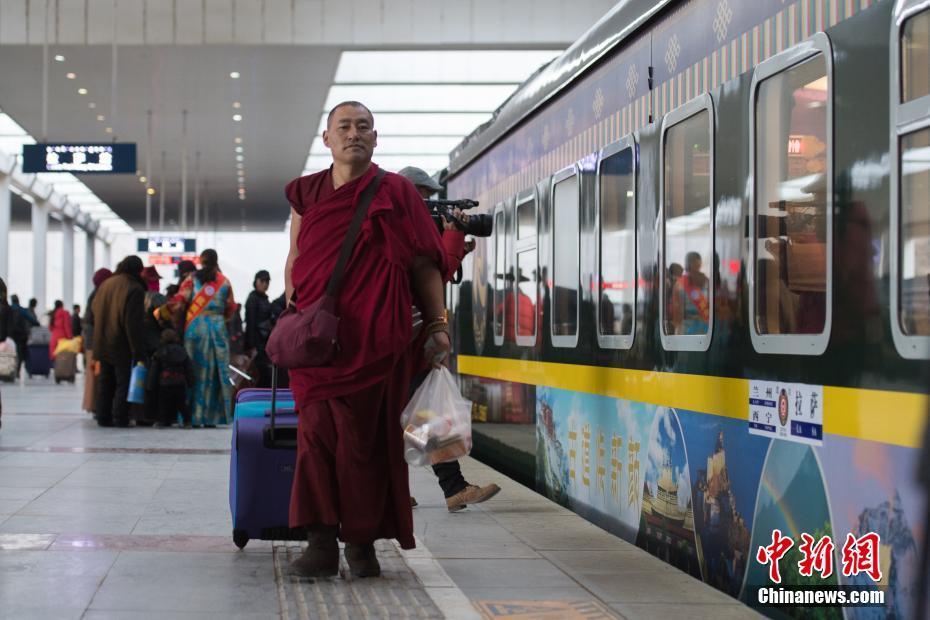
<point x="436" y="421"/>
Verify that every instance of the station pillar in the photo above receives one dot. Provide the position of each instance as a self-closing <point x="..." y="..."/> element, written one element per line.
<point x="89" y="248"/>
<point x="39" y="230"/>
<point x="67" y="262"/>
<point x="5" y="218"/>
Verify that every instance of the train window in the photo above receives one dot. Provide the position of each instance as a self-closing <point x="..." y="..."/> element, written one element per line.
<point x="687" y="226"/>
<point x="792" y="200"/>
<point x="910" y="180"/>
<point x="914" y="270"/>
<point x="566" y="202"/>
<point x="616" y="242"/>
<point x="525" y="274"/>
<point x="500" y="271"/>
<point x="526" y="217"/>
<point x="915" y="57"/>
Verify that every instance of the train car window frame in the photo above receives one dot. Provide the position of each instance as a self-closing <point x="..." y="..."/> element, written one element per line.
<point x="520" y="245"/>
<point x="794" y="343"/>
<point x="614" y="341"/>
<point x="686" y="342"/>
<point x="564" y="340"/>
<point x="499" y="234"/>
<point x="906" y="118"/>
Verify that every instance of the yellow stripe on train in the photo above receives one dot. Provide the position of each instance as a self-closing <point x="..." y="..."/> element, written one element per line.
<point x="876" y="415"/>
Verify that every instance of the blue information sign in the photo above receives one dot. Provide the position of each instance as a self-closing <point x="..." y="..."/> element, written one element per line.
<point x="105" y="158"/>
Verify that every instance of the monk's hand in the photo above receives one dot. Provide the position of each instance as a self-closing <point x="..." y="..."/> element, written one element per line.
<point x="437" y="349"/>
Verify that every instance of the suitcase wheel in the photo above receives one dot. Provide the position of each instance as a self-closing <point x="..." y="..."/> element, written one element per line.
<point x="241" y="538"/>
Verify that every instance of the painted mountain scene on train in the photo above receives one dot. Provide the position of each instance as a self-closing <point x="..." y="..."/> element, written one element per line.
<point x="872" y="489"/>
<point x="666" y="527"/>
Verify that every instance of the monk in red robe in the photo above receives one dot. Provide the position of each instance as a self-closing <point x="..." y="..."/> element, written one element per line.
<point x="350" y="479"/>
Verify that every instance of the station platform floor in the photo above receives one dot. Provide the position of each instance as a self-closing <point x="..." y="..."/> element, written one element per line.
<point x="134" y="523"/>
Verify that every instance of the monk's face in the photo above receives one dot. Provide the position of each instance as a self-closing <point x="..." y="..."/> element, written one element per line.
<point x="351" y="135"/>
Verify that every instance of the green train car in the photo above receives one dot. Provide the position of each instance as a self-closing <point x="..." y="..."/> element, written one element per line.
<point x="704" y="313"/>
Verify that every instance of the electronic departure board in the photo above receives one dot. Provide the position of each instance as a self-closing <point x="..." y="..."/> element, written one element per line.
<point x="111" y="158"/>
<point x="167" y="245"/>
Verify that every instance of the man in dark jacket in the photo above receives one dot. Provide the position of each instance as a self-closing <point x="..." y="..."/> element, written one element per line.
<point x="76" y="321"/>
<point x="258" y="326"/>
<point x="19" y="330"/>
<point x="118" y="338"/>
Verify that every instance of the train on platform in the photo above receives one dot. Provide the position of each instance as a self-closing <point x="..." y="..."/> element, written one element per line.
<point x="703" y="315"/>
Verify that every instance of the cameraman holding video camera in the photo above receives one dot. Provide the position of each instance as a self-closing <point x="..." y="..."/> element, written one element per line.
<point x="458" y="492"/>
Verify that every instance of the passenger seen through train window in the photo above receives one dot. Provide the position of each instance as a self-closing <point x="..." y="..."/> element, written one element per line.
<point x="688" y="225"/>
<point x="791" y="200"/>
<point x="914" y="270"/>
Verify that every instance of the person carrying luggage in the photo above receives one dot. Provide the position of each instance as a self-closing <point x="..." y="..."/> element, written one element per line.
<point x="118" y="339"/>
<point x="170" y="375"/>
<point x="350" y="478"/>
<point x="59" y="322"/>
<point x="457" y="491"/>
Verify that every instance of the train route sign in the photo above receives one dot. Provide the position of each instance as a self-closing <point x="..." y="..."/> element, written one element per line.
<point x="789" y="411"/>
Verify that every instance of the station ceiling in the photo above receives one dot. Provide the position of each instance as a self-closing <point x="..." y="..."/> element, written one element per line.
<point x="253" y="93"/>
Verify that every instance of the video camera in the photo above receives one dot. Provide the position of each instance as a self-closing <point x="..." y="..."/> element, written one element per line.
<point x="479" y="224"/>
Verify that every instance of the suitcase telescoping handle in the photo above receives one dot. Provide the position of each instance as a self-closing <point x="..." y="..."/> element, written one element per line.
<point x="274" y="396"/>
<point x="278" y="437"/>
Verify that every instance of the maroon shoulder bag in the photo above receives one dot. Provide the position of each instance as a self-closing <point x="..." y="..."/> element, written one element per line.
<point x="309" y="337"/>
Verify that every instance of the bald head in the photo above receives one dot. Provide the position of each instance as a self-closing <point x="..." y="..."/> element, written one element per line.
<point x="353" y="104"/>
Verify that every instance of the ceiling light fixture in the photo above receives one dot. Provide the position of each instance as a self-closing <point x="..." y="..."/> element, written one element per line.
<point x="150" y="191"/>
<point x="237" y="117"/>
<point x="109" y="130"/>
<point x="239" y="158"/>
<point x="71" y="75"/>
<point x="143" y="179"/>
<point x="238" y="140"/>
<point x="234" y="75"/>
<point x="82" y="91"/>
<point x="101" y="117"/>
<point x="91" y="105"/>
<point x="238" y="149"/>
<point x="59" y="58"/>
<point x="240" y="165"/>
<point x="237" y="105"/>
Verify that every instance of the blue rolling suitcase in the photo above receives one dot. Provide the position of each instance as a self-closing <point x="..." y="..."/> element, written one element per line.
<point x="37" y="360"/>
<point x="261" y="471"/>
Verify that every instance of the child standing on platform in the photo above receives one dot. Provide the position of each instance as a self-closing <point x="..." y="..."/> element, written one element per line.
<point x="171" y="374"/>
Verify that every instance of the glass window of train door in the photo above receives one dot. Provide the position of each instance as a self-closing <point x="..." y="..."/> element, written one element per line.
<point x="615" y="235"/>
<point x="500" y="274"/>
<point x="686" y="306"/>
<point x="910" y="179"/>
<point x="791" y="158"/>
<point x="525" y="267"/>
<point x="566" y="272"/>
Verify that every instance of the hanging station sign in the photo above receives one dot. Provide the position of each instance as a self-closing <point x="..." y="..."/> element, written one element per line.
<point x="108" y="158"/>
<point x="167" y="245"/>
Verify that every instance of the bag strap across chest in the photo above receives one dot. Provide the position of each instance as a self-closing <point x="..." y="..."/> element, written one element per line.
<point x="361" y="209"/>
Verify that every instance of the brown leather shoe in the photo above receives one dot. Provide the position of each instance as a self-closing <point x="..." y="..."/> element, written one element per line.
<point x="321" y="558"/>
<point x="472" y="494"/>
<point x="362" y="560"/>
